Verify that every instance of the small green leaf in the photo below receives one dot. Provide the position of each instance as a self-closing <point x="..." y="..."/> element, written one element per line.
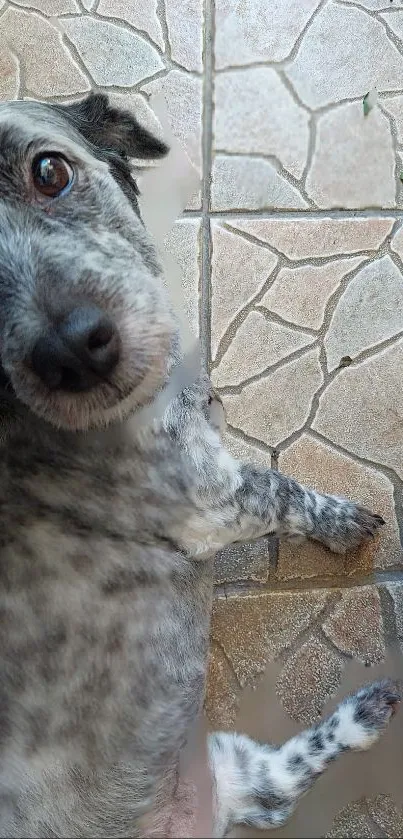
<point x="401" y="176"/>
<point x="366" y="105"/>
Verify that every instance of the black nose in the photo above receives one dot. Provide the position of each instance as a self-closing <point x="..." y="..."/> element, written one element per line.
<point x="77" y="353"/>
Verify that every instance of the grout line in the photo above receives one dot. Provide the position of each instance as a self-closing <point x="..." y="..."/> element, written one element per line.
<point x="273" y="214"/>
<point x="207" y="129"/>
<point x="302" y="584"/>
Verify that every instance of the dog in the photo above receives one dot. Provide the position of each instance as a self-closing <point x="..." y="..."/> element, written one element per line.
<point x="108" y="531"/>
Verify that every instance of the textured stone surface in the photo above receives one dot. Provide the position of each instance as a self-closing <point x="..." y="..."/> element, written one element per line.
<point x="308" y="238"/>
<point x="369" y="311"/>
<point x="257" y="345"/>
<point x="60" y="75"/>
<point x="354" y="161"/>
<point x="394" y="106"/>
<point x="183" y="242"/>
<point x="301" y="294"/>
<point x="395" y="21"/>
<point x="240" y="563"/>
<point x="362" y="409"/>
<point x="384" y="813"/>
<point x="239" y="270"/>
<point x="142" y="15"/>
<point x="102" y="44"/>
<point x="337" y="39"/>
<point x="222" y="695"/>
<point x="50" y="7"/>
<point x="353" y="821"/>
<point x="317" y="672"/>
<point x="397" y="242"/>
<point x="183" y="95"/>
<point x="264" y="33"/>
<point x="248" y="183"/>
<point x="243" y="450"/>
<point x="261" y="411"/>
<point x="396" y="592"/>
<point x="255" y="113"/>
<point x="266" y="625"/>
<point x="319" y="466"/>
<point x="356" y="626"/>
<point x="9" y="75"/>
<point x="184" y="21"/>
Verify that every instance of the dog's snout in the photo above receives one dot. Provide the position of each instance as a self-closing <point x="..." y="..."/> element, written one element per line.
<point x="78" y="352"/>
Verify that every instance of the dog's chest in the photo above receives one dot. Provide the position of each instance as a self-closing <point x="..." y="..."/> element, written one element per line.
<point x="101" y="622"/>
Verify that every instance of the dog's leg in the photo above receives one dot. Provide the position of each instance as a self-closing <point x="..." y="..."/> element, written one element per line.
<point x="260" y="785"/>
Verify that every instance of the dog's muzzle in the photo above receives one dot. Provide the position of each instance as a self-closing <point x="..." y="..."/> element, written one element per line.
<point x="78" y="351"/>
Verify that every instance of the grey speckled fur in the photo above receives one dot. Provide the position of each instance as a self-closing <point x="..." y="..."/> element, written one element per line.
<point x="107" y="533"/>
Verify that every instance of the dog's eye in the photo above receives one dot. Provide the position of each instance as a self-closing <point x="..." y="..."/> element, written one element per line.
<point x="52" y="175"/>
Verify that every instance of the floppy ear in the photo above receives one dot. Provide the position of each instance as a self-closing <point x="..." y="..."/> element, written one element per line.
<point x="112" y="131"/>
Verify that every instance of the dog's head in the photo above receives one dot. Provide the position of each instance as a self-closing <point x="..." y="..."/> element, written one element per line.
<point x="85" y="325"/>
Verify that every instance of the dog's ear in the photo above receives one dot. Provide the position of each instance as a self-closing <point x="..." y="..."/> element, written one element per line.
<point x="112" y="131"/>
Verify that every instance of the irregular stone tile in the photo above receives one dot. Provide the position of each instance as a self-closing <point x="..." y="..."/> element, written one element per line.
<point x="59" y="75"/>
<point x="384" y="812"/>
<point x="183" y="95"/>
<point x="142" y="15"/>
<point x="9" y="75"/>
<point x="264" y="33"/>
<point x="112" y="54"/>
<point x="369" y="311"/>
<point x="245" y="183"/>
<point x="337" y="39"/>
<point x="396" y="592"/>
<point x="239" y="270"/>
<point x="362" y="409"/>
<point x="185" y="32"/>
<point x="266" y="625"/>
<point x="394" y="20"/>
<point x="88" y="4"/>
<point x="317" y="465"/>
<point x="52" y="8"/>
<point x="255" y="113"/>
<point x="222" y="692"/>
<point x="242" y="450"/>
<point x="309" y="678"/>
<point x="397" y="243"/>
<point x="309" y="238"/>
<point x="261" y="411"/>
<point x="256" y="345"/>
<point x="183" y="242"/>
<point x="371" y="5"/>
<point x="301" y="294"/>
<point x="352" y="821"/>
<point x="394" y="106"/>
<point x="356" y="626"/>
<point x="243" y="563"/>
<point x="354" y="161"/>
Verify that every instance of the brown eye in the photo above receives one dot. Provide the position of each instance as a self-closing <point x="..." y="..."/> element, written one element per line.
<point x="52" y="175"/>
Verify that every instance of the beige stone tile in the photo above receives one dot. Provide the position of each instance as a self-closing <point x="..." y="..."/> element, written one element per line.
<point x="247" y="451"/>
<point x="248" y="183"/>
<point x="354" y="161"/>
<point x="142" y="15"/>
<point x="59" y="75"/>
<point x="260" y="409"/>
<point x="384" y="812"/>
<point x="183" y="96"/>
<point x="50" y="7"/>
<point x="183" y="242"/>
<point x="243" y="563"/>
<point x="112" y="54"/>
<point x="317" y="671"/>
<point x="394" y="106"/>
<point x="355" y="626"/>
<point x="222" y="694"/>
<point x="9" y="75"/>
<point x="304" y="238"/>
<point x="239" y="270"/>
<point x="265" y="32"/>
<point x="362" y="409"/>
<point x="255" y="113"/>
<point x="300" y="295"/>
<point x="394" y="19"/>
<point x="340" y="38"/>
<point x="397" y="243"/>
<point x="266" y="625"/>
<point x="369" y="311"/>
<point x="396" y="592"/>
<point x="185" y="32"/>
<point x="256" y="346"/>
<point x="319" y="466"/>
<point x="352" y="821"/>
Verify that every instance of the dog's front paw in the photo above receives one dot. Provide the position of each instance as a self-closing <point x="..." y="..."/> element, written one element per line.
<point x="351" y="525"/>
<point x="363" y="717"/>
